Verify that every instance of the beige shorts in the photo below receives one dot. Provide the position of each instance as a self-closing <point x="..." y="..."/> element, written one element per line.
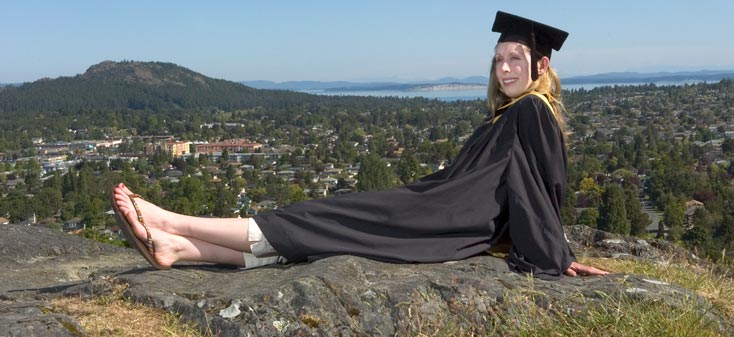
<point x="262" y="252"/>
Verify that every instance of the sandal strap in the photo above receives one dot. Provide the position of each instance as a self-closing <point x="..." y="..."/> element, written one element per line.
<point x="149" y="241"/>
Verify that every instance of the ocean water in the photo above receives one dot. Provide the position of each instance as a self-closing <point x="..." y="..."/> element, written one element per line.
<point x="468" y="95"/>
<point x="443" y="95"/>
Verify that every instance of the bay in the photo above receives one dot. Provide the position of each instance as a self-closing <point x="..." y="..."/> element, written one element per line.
<point x="443" y="95"/>
<point x="468" y="95"/>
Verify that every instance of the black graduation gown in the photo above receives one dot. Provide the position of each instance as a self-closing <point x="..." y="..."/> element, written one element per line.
<point x="509" y="178"/>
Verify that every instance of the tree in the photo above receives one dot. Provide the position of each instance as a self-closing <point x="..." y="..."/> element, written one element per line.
<point x="568" y="211"/>
<point x="612" y="212"/>
<point x="590" y="191"/>
<point x="588" y="217"/>
<point x="225" y="156"/>
<point x="408" y="168"/>
<point x="637" y="218"/>
<point x="674" y="216"/>
<point x="47" y="202"/>
<point x="374" y="174"/>
<point x="32" y="175"/>
<point x="224" y="202"/>
<point x="189" y="196"/>
<point x="724" y="233"/>
<point x="295" y="194"/>
<point x="16" y="206"/>
<point x="697" y="238"/>
<point x="727" y="146"/>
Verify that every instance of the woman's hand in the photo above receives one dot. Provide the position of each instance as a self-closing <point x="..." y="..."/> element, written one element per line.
<point x="584" y="270"/>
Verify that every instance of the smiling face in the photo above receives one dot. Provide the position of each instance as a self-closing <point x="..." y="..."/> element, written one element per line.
<point x="512" y="68"/>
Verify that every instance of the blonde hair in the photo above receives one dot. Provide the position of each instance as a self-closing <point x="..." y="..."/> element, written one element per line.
<point x="547" y="84"/>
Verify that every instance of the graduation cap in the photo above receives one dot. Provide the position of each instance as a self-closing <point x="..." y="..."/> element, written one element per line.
<point x="541" y="38"/>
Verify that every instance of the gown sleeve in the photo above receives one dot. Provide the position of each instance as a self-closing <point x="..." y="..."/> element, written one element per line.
<point x="536" y="179"/>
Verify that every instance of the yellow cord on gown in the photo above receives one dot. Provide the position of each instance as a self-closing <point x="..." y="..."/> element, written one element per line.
<point x="544" y="98"/>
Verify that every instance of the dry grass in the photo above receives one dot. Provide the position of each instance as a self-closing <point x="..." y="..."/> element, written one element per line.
<point x="113" y="315"/>
<point x="519" y="315"/>
<point x="718" y="288"/>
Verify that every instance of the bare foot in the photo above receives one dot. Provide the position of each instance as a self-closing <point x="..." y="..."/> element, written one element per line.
<point x="153" y="216"/>
<point x="168" y="247"/>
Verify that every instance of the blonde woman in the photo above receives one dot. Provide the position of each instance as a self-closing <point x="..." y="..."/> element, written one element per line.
<point x="505" y="188"/>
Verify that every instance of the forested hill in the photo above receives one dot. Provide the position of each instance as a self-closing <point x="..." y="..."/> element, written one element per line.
<point x="154" y="86"/>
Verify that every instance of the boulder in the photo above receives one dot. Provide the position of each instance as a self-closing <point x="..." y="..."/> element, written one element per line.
<point x="352" y="296"/>
<point x="337" y="296"/>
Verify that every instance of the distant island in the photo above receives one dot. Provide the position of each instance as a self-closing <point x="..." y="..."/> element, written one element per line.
<point x="479" y="82"/>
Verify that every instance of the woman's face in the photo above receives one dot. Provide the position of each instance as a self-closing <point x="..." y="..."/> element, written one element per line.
<point x="512" y="68"/>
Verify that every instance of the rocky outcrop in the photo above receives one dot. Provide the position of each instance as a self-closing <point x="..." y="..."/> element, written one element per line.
<point x="34" y="258"/>
<point x="351" y="296"/>
<point x="35" y="318"/>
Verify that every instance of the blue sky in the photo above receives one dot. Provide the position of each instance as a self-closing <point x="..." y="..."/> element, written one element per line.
<point x="354" y="41"/>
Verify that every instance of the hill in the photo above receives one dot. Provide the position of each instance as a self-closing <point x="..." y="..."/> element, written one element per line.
<point x="634" y="77"/>
<point x="135" y="85"/>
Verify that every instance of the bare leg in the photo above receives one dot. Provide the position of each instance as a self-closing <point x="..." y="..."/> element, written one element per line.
<point x="171" y="248"/>
<point x="225" y="232"/>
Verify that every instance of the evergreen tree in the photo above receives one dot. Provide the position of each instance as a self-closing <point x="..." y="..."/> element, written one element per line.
<point x="637" y="218"/>
<point x="674" y="216"/>
<point x="374" y="174"/>
<point x="698" y="237"/>
<point x="612" y="212"/>
<point x="724" y="234"/>
<point x="568" y="211"/>
<point x="727" y="147"/>
<point x="408" y="168"/>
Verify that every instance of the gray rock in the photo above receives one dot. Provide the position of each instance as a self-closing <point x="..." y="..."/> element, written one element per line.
<point x="38" y="259"/>
<point x="31" y="244"/>
<point x="35" y="319"/>
<point x="594" y="242"/>
<point x="338" y="296"/>
<point x="351" y="296"/>
<point x="38" y="263"/>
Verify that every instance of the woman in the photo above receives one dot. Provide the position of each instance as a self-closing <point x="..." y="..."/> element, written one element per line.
<point x="506" y="185"/>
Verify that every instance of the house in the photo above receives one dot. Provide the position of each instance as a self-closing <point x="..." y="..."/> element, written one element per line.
<point x="72" y="225"/>
<point x="316" y="193"/>
<point x="265" y="205"/>
<point x="173" y="173"/>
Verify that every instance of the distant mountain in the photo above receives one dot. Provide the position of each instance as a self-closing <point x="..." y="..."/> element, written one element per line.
<point x="634" y="77"/>
<point x="468" y="82"/>
<point x="483" y="80"/>
<point x="137" y="86"/>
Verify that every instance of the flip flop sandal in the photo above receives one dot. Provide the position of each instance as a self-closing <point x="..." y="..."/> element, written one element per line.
<point x="145" y="248"/>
